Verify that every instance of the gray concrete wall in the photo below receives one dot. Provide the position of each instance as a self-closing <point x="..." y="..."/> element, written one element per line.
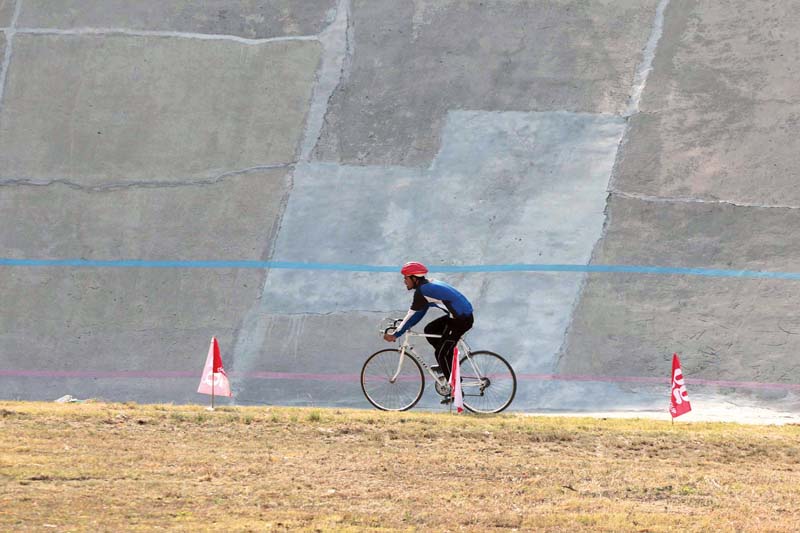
<point x="250" y="19"/>
<point x="349" y="132"/>
<point x="704" y="179"/>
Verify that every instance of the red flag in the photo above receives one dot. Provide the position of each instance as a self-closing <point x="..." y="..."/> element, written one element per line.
<point x="679" y="396"/>
<point x="455" y="381"/>
<point x="214" y="380"/>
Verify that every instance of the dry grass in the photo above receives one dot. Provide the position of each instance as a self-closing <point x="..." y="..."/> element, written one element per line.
<point x="114" y="467"/>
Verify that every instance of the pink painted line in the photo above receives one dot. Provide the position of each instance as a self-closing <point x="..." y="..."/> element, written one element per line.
<point x="304" y="376"/>
<point x="636" y="379"/>
<point x="602" y="379"/>
<point x="745" y="384"/>
<point x="299" y="375"/>
<point x="97" y="374"/>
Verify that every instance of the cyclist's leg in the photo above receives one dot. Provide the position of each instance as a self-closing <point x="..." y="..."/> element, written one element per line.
<point x="456" y="327"/>
<point x="436" y="327"/>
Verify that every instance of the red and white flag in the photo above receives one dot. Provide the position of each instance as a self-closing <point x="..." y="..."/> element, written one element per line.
<point x="214" y="380"/>
<point x="455" y="382"/>
<point x="679" y="396"/>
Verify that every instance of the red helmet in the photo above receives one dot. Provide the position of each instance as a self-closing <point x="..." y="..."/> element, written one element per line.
<point x="413" y="268"/>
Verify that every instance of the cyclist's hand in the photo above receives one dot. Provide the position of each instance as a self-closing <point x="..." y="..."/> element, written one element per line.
<point x="389" y="338"/>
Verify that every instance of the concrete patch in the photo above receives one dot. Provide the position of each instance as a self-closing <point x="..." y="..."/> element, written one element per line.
<point x="217" y="221"/>
<point x="703" y="235"/>
<point x="729" y="329"/>
<point x="739" y="330"/>
<point x="95" y="110"/>
<point x="254" y="19"/>
<point x="332" y="344"/>
<point x="119" y="320"/>
<point x="719" y="118"/>
<point x="130" y="319"/>
<point x="6" y="12"/>
<point x="494" y="194"/>
<point x="415" y="61"/>
<point x="506" y="188"/>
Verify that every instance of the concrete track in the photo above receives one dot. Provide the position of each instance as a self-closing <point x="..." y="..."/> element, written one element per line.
<point x="649" y="133"/>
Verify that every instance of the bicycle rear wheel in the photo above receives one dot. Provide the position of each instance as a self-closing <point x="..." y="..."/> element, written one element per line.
<point x="487" y="381"/>
<point x="386" y="394"/>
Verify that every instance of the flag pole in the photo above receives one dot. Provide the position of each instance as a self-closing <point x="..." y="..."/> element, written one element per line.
<point x="212" y="386"/>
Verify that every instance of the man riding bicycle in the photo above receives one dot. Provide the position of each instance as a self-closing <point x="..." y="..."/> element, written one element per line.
<point x="432" y="293"/>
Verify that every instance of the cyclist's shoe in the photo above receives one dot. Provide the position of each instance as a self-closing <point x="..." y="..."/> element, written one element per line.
<point x="447" y="400"/>
<point x="436" y="368"/>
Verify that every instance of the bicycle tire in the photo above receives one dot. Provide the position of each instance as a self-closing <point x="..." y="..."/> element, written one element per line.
<point x="498" y="380"/>
<point x="401" y="395"/>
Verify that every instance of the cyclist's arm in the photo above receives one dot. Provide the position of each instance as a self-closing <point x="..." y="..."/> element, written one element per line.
<point x="411" y="319"/>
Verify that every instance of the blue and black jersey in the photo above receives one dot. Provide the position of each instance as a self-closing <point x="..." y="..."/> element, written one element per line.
<point x="434" y="294"/>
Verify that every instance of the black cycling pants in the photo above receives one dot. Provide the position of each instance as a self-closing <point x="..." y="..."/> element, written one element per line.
<point x="451" y="329"/>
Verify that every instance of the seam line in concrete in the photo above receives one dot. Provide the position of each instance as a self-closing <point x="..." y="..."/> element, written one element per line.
<point x="639" y="82"/>
<point x="334" y="41"/>
<point x="688" y="200"/>
<point x="646" y="66"/>
<point x="332" y="69"/>
<point x="157" y="33"/>
<point x="139" y="184"/>
<point x="10" y="31"/>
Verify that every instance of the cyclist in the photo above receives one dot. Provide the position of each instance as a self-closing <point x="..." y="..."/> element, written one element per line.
<point x="432" y="293"/>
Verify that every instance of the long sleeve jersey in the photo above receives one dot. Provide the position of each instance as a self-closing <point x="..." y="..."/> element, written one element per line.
<point x="433" y="293"/>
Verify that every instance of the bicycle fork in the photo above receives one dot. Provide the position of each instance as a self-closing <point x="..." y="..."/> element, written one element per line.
<point x="399" y="364"/>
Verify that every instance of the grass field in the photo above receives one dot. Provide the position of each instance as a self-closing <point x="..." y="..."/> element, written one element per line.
<point x="121" y="467"/>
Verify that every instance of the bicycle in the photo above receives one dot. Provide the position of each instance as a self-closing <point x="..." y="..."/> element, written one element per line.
<point x="393" y="379"/>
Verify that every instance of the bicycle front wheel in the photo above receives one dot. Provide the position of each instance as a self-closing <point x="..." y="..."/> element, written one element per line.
<point x="487" y="381"/>
<point x="391" y="383"/>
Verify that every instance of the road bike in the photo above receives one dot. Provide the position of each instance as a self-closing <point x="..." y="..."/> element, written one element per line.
<point x="393" y="379"/>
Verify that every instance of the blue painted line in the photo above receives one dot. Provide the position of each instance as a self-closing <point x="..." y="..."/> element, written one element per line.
<point x="137" y="263"/>
<point x="342" y="267"/>
<point x="629" y="269"/>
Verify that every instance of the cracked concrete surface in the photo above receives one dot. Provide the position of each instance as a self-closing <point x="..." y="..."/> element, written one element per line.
<point x="416" y="61"/>
<point x="250" y="19"/>
<point x="133" y="222"/>
<point x="7" y="12"/>
<point x="142" y="184"/>
<point x="135" y="108"/>
<point x="703" y="179"/>
<point x="678" y="199"/>
<point x="719" y="121"/>
<point x="372" y="131"/>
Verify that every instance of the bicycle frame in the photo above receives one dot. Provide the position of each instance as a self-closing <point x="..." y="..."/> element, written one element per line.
<point x="463" y="349"/>
<point x="480" y="372"/>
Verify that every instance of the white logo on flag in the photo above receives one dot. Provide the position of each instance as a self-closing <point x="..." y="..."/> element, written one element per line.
<point x="218" y="377"/>
<point x="678" y="387"/>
